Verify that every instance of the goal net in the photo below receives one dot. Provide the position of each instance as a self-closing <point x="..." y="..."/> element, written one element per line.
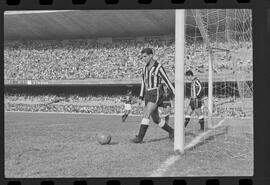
<point x="222" y="39"/>
<point x="218" y="50"/>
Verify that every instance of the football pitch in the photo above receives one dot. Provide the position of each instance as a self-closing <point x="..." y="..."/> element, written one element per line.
<point x="64" y="145"/>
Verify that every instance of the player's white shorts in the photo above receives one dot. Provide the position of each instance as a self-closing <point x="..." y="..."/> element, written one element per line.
<point x="127" y="106"/>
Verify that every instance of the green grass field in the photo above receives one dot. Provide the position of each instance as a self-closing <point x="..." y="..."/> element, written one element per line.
<point x="64" y="145"/>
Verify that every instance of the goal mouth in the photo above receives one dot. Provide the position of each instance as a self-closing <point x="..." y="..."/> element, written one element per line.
<point x="217" y="48"/>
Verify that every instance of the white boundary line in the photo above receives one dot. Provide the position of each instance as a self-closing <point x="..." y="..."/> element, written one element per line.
<point x="172" y="159"/>
<point x="165" y="165"/>
<point x="197" y="139"/>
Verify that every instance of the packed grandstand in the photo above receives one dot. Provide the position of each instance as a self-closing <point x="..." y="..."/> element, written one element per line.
<point x="86" y="60"/>
<point x="106" y="104"/>
<point x="82" y="59"/>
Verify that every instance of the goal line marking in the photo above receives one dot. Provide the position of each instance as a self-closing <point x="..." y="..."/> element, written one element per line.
<point x="165" y="165"/>
<point x="172" y="159"/>
<point x="197" y="139"/>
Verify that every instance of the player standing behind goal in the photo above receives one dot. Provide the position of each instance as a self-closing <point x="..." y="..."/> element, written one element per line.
<point x="127" y="100"/>
<point x="195" y="103"/>
<point x="152" y="92"/>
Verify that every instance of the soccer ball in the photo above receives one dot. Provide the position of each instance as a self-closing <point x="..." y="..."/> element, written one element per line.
<point x="103" y="138"/>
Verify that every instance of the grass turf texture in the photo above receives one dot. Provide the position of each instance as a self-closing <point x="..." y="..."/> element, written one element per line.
<point x="64" y="145"/>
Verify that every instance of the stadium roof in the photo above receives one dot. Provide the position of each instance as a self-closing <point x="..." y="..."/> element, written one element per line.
<point x="76" y="24"/>
<point x="80" y="24"/>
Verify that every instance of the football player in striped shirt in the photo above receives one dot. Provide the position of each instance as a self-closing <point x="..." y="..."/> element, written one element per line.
<point x="195" y="103"/>
<point x="152" y="92"/>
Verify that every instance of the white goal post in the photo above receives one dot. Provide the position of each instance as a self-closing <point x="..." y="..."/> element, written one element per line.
<point x="179" y="128"/>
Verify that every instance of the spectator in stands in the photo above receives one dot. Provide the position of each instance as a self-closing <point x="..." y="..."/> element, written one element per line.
<point x="77" y="60"/>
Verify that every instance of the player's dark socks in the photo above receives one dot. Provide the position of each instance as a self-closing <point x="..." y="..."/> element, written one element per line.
<point x="140" y="136"/>
<point x="167" y="128"/>
<point x="124" y="117"/>
<point x="167" y="118"/>
<point x="171" y="135"/>
<point x="142" y="131"/>
<point x="187" y="121"/>
<point x="201" y="122"/>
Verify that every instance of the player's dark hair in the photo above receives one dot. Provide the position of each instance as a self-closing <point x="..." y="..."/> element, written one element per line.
<point x="189" y="73"/>
<point x="148" y="51"/>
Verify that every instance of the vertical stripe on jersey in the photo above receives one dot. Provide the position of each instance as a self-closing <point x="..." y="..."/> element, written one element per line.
<point x="151" y="78"/>
<point x="156" y="81"/>
<point x="146" y="76"/>
<point x="193" y="91"/>
<point x="166" y="79"/>
<point x="142" y="88"/>
<point x="195" y="88"/>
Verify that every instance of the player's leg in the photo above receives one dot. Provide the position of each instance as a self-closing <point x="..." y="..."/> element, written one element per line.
<point x="126" y="113"/>
<point x="201" y="118"/>
<point x="188" y="114"/>
<point x="167" y="114"/>
<point x="162" y="123"/>
<point x="124" y="116"/>
<point x="149" y="108"/>
<point x="199" y="113"/>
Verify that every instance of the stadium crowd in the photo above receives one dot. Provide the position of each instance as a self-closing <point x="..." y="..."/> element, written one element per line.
<point x="228" y="57"/>
<point x="78" y="60"/>
<point x="105" y="104"/>
<point x="119" y="59"/>
<point x="70" y="103"/>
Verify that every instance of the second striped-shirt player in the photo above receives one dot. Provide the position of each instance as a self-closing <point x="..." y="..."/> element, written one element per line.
<point x="152" y="92"/>
<point x="196" y="102"/>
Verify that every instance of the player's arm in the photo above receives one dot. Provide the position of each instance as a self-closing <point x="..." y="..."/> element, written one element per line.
<point x="166" y="80"/>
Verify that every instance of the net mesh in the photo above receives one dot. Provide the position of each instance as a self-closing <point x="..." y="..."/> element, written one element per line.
<point x="223" y="39"/>
<point x="223" y="36"/>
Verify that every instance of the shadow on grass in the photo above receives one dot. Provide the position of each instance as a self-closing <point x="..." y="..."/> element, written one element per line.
<point x="156" y="140"/>
<point x="129" y="121"/>
<point x="113" y="143"/>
